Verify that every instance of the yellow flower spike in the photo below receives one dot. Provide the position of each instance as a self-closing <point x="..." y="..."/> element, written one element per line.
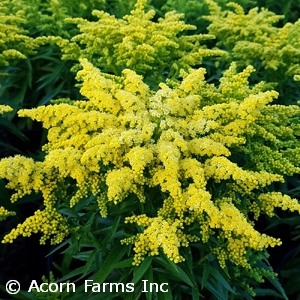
<point x="4" y="213"/>
<point x="4" y="109"/>
<point x="206" y="146"/>
<point x="297" y="77"/>
<point x="138" y="158"/>
<point x="49" y="222"/>
<point x="191" y="168"/>
<point x="268" y="201"/>
<point x="158" y="234"/>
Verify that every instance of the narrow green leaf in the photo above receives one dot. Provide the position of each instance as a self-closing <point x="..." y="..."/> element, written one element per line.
<point x="124" y="264"/>
<point x="113" y="229"/>
<point x="141" y="269"/>
<point x="214" y="291"/>
<point x="96" y="242"/>
<point x="221" y="280"/>
<point x="113" y="258"/>
<point x="189" y="259"/>
<point x="84" y="256"/>
<point x="29" y="73"/>
<point x="70" y="212"/>
<point x="164" y="296"/>
<point x="277" y="284"/>
<point x="206" y="269"/>
<point x="195" y="294"/>
<point x="51" y="94"/>
<point x="13" y="129"/>
<point x="59" y="247"/>
<point x="266" y="292"/>
<point x="88" y="224"/>
<point x="89" y="262"/>
<point x="274" y="281"/>
<point x="85" y="202"/>
<point x="176" y="270"/>
<point x="76" y="272"/>
<point x="149" y="278"/>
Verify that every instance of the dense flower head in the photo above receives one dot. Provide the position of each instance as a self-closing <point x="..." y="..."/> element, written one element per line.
<point x="48" y="222"/>
<point x="5" y="108"/>
<point x="127" y="139"/>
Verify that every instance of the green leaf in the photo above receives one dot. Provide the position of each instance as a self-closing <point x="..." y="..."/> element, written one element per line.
<point x="124" y="264"/>
<point x="49" y="78"/>
<point x="59" y="247"/>
<point x="88" y="224"/>
<point x="84" y="202"/>
<point x="221" y="280"/>
<point x="84" y="256"/>
<point x="195" y="294"/>
<point x="149" y="278"/>
<point x="76" y="272"/>
<point x="274" y="281"/>
<point x="277" y="284"/>
<point x="113" y="258"/>
<point x="113" y="230"/>
<point x="13" y="129"/>
<point x="141" y="269"/>
<point x="177" y="271"/>
<point x="96" y="242"/>
<point x="206" y="269"/>
<point x="29" y="72"/>
<point x="164" y="296"/>
<point x="211" y="288"/>
<point x="70" y="212"/>
<point x="51" y="94"/>
<point x="189" y="260"/>
<point x="89" y="262"/>
<point x="266" y="292"/>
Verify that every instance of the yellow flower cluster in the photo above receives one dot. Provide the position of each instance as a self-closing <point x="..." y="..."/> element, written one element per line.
<point x="48" y="222"/>
<point x="4" y="109"/>
<point x="159" y="234"/>
<point x="221" y="168"/>
<point x="268" y="201"/>
<point x="25" y="176"/>
<point x="126" y="139"/>
<point x="4" y="213"/>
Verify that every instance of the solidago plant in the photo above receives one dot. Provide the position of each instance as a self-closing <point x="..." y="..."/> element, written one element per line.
<point x="185" y="162"/>
<point x="156" y="50"/>
<point x="128" y="139"/>
<point x="46" y="17"/>
<point x="253" y="39"/>
<point x="4" y="213"/>
<point x="15" y="43"/>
